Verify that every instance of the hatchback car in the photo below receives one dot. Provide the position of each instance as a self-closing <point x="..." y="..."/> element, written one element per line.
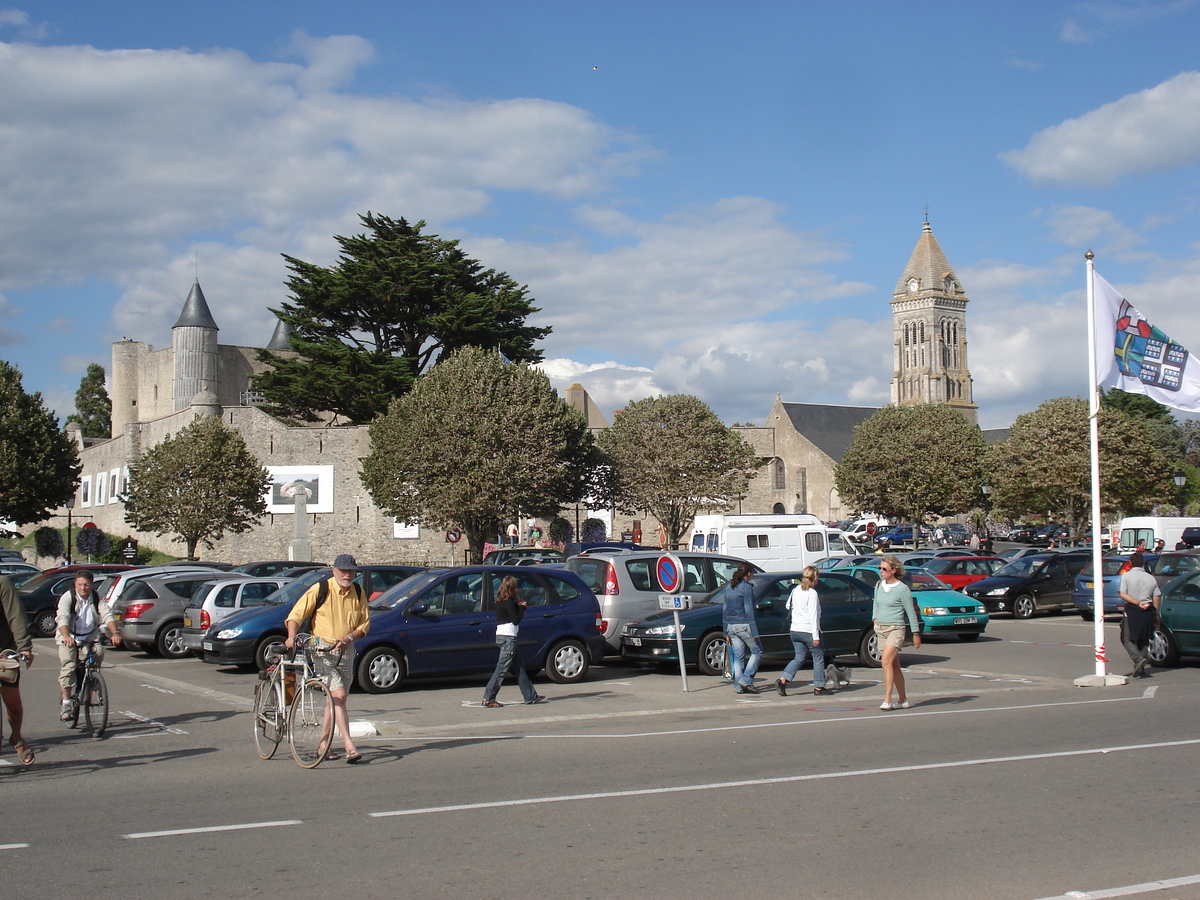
<point x="961" y="571"/>
<point x="215" y="600"/>
<point x="510" y="555"/>
<point x="941" y="609"/>
<point x="626" y="582"/>
<point x="247" y="636"/>
<point x="443" y="622"/>
<point x="846" y="626"/>
<point x="268" y="567"/>
<point x="1166" y="567"/>
<point x="40" y="594"/>
<point x="149" y="609"/>
<point x="1178" y="631"/>
<point x="1031" y="584"/>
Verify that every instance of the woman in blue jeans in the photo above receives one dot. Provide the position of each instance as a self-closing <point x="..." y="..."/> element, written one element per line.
<point x="741" y="629"/>
<point x="805" y="630"/>
<point x="509" y="610"/>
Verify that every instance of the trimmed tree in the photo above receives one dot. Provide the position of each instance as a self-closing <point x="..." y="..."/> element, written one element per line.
<point x="477" y="439"/>
<point x="914" y="463"/>
<point x="672" y="457"/>
<point x="396" y="301"/>
<point x="93" y="408"/>
<point x="39" y="466"/>
<point x="198" y="484"/>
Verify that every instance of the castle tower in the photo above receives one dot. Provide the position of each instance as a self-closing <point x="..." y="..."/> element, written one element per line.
<point x="194" y="342"/>
<point x="929" y="332"/>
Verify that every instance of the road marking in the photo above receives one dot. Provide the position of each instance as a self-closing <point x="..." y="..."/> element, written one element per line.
<point x="149" y="679"/>
<point x="1128" y="890"/>
<point x="138" y="717"/>
<point x="13" y="846"/>
<point x="787" y="779"/>
<point x="154" y="687"/>
<point x="210" y="829"/>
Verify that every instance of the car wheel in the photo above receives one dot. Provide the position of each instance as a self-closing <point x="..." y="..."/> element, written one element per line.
<point x="272" y="645"/>
<point x="43" y="621"/>
<point x="1161" y="651"/>
<point x="710" y="656"/>
<point x="869" y="653"/>
<point x="1087" y="615"/>
<point x="973" y="636"/>
<point x="169" y="641"/>
<point x="1024" y="607"/>
<point x="567" y="662"/>
<point x="381" y="670"/>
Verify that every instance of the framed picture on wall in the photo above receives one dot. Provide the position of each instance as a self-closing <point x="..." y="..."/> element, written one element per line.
<point x="85" y="491"/>
<point x="286" y="481"/>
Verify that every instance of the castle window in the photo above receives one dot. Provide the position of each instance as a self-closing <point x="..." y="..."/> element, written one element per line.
<point x="780" y="474"/>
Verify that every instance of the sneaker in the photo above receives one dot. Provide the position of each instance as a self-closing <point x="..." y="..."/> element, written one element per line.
<point x="903" y="705"/>
<point x="537" y="698"/>
<point x="886" y="706"/>
<point x="65" y="715"/>
<point x="1140" y="668"/>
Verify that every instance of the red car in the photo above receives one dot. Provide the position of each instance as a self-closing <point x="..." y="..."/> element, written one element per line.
<point x="959" y="571"/>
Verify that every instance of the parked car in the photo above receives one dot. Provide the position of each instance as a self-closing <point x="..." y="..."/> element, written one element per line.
<point x="17" y="572"/>
<point x="149" y="608"/>
<point x="266" y="568"/>
<point x="846" y="626"/>
<point x="1019" y="552"/>
<point x="1084" y="595"/>
<point x="1031" y="584"/>
<point x="961" y="571"/>
<point x="215" y="600"/>
<point x="247" y="636"/>
<point x="1052" y="532"/>
<point x="1178" y="631"/>
<point x="510" y="555"/>
<point x="1166" y="567"/>
<point x="844" y="562"/>
<point x="39" y="595"/>
<point x="900" y="534"/>
<point x="443" y="622"/>
<point x="1023" y="534"/>
<point x="626" y="583"/>
<point x="941" y="609"/>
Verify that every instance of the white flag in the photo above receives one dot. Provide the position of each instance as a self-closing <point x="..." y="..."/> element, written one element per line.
<point x="1133" y="355"/>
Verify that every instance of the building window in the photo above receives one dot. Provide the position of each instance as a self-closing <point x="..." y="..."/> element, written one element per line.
<point x="780" y="474"/>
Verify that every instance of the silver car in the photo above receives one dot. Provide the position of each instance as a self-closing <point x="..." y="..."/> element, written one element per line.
<point x="214" y="600"/>
<point x="148" y="605"/>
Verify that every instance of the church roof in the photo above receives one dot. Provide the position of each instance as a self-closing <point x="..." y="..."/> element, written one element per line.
<point x="279" y="338"/>
<point x="928" y="264"/>
<point x="831" y="428"/>
<point x="195" y="311"/>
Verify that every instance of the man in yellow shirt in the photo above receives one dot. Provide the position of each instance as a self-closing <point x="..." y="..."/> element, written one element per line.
<point x="337" y="623"/>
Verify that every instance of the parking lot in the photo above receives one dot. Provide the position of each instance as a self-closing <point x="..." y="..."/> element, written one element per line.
<point x="1003" y="780"/>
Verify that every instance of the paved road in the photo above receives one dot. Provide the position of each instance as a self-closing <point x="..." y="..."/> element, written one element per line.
<point x="1003" y="781"/>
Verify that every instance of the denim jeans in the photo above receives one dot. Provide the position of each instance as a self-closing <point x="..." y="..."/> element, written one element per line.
<point x="802" y="641"/>
<point x="741" y="642"/>
<point x="509" y="657"/>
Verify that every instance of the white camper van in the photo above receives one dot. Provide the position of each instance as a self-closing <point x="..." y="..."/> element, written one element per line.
<point x="1151" y="528"/>
<point x="777" y="543"/>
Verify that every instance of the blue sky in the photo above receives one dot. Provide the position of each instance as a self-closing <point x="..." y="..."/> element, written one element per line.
<point x="708" y="198"/>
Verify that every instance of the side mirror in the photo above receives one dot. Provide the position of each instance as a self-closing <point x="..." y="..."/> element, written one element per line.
<point x="418" y="608"/>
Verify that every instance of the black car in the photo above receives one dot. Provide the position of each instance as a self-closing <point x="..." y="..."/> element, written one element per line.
<point x="1023" y="534"/>
<point x="1047" y="533"/>
<point x="1031" y="584"/>
<point x="39" y="595"/>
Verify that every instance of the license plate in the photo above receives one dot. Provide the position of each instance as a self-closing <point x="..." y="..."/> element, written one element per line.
<point x="634" y="642"/>
<point x="207" y="645"/>
<point x="966" y="620"/>
<point x="187" y="623"/>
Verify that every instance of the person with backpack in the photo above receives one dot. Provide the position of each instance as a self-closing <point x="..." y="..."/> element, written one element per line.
<point x="339" y="616"/>
<point x="81" y="615"/>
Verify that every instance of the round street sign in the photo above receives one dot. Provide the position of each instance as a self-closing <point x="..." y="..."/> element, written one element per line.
<point x="670" y="573"/>
<point x="454" y="535"/>
<point x="871" y="529"/>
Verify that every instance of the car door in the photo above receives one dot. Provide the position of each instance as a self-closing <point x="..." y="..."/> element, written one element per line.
<point x="845" y="609"/>
<point x="1055" y="584"/>
<point x="773" y="617"/>
<point x="543" y="617"/>
<point x="454" y="631"/>
<point x="1180" y="611"/>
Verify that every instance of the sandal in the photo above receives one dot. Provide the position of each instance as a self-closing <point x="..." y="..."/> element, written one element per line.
<point x="353" y="759"/>
<point x="23" y="752"/>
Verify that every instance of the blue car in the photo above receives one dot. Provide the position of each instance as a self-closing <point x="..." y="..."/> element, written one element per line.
<point x="443" y="622"/>
<point x="1112" y="568"/>
<point x="246" y="637"/>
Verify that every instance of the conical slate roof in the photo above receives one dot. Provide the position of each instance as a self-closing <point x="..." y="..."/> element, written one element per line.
<point x="196" y="313"/>
<point x="279" y="339"/>
<point x="928" y="264"/>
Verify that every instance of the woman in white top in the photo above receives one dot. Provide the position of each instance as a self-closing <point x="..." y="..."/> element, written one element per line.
<point x="805" y="629"/>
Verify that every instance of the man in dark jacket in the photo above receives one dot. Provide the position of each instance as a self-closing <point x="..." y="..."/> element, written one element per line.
<point x="14" y="635"/>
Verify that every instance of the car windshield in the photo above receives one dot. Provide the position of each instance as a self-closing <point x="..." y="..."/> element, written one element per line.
<point x="409" y="587"/>
<point x="1020" y="568"/>
<point x="937" y="566"/>
<point x="292" y="592"/>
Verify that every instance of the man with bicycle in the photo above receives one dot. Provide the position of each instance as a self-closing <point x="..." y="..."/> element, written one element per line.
<point x="80" y="617"/>
<point x="339" y="617"/>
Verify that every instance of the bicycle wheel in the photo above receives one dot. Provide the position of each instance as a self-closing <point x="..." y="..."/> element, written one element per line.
<point x="310" y="723"/>
<point x="94" y="698"/>
<point x="268" y="718"/>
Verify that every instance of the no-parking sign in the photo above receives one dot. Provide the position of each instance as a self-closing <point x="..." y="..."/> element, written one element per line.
<point x="454" y="535"/>
<point x="670" y="573"/>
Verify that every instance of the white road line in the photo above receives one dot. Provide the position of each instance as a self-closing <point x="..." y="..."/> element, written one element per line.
<point x="1128" y="890"/>
<point x="789" y="779"/>
<point x="145" y="720"/>
<point x="210" y="829"/>
<point x="13" y="846"/>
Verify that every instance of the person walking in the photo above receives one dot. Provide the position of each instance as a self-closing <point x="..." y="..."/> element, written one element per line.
<point x="513" y="533"/>
<point x="339" y="616"/>
<point x="892" y="613"/>
<point x="805" y="631"/>
<point x="510" y="608"/>
<point x="741" y="630"/>
<point x="1139" y="589"/>
<point x="14" y="636"/>
<point x="80" y="617"/>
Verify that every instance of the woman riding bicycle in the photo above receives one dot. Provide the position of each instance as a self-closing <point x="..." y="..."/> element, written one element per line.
<point x="80" y="617"/>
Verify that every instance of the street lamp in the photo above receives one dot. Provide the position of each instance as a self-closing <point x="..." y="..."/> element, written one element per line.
<point x="1180" y="480"/>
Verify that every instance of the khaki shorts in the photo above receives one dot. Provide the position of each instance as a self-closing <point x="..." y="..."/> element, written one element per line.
<point x="890" y="635"/>
<point x="334" y="667"/>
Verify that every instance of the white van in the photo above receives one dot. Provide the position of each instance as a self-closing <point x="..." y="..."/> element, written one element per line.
<point x="777" y="543"/>
<point x="1150" y="528"/>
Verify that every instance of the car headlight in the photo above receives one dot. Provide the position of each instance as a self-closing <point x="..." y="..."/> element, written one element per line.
<point x="665" y="630"/>
<point x="228" y="634"/>
<point x="979" y="611"/>
<point x="997" y="592"/>
<point x="934" y="611"/>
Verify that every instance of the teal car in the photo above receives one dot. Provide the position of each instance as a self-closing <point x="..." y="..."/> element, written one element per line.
<point x="941" y="609"/>
<point x="845" y="624"/>
<point x="1178" y="631"/>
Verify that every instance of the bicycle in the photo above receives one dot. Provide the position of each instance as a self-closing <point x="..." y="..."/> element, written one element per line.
<point x="291" y="702"/>
<point x="90" y="694"/>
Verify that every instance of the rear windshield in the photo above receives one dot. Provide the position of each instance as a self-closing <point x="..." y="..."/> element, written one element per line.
<point x="592" y="570"/>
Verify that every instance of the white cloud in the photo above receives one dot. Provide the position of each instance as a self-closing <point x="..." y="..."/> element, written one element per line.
<point x="1150" y="131"/>
<point x="1085" y="226"/>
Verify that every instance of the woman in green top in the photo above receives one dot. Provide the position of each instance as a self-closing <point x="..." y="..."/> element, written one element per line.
<point x="892" y="612"/>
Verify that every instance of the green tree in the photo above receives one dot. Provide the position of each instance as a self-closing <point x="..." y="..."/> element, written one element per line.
<point x="1156" y="419"/>
<point x="1045" y="465"/>
<point x="396" y="301"/>
<point x="39" y="466"/>
<point x="914" y="463"/>
<point x="672" y="457"/>
<point x="93" y="408"/>
<point x="198" y="484"/>
<point x="476" y="439"/>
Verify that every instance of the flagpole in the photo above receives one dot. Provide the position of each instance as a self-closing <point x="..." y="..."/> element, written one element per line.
<point x="1100" y="677"/>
